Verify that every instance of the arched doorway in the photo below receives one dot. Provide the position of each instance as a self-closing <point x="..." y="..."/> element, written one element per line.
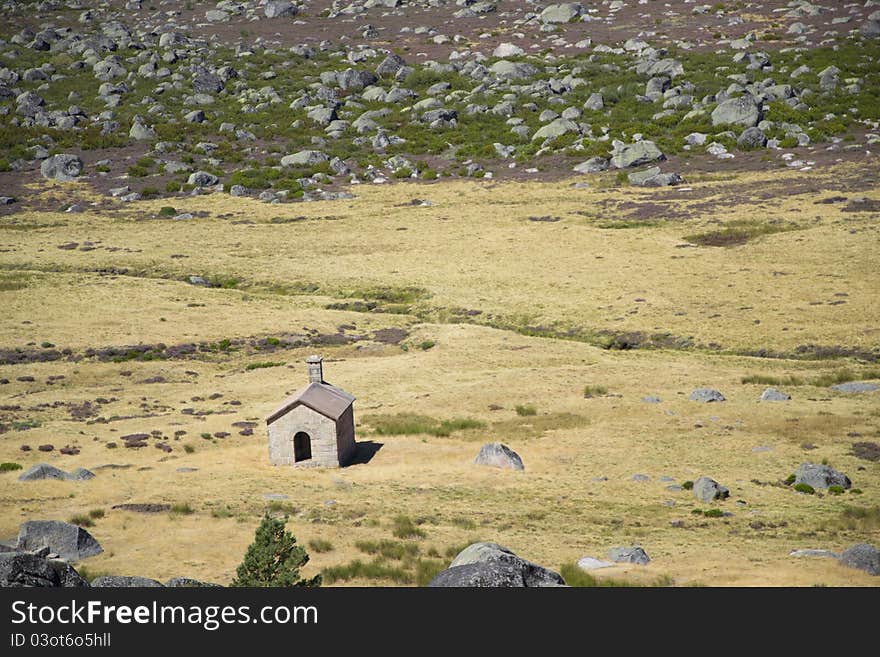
<point x="302" y="447"/>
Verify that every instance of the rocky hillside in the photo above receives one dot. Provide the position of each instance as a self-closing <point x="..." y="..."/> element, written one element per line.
<point x="292" y="101"/>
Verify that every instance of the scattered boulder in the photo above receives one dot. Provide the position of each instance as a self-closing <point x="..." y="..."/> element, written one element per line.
<point x="491" y="565"/>
<point x="855" y="386"/>
<point x="507" y="50"/>
<point x="561" y="13"/>
<point x="634" y="155"/>
<point x="202" y="179"/>
<point x="706" y="395"/>
<point x="189" y="583"/>
<point x="820" y="476"/>
<point x="69" y="541"/>
<point x="497" y="455"/>
<point x="653" y="177"/>
<point x="629" y="555"/>
<point x="507" y="70"/>
<point x="706" y="490"/>
<point x="280" y="9"/>
<point x="42" y="471"/>
<point x="774" y="395"/>
<point x="62" y="167"/>
<point x="742" y="111"/>
<point x="593" y="165"/>
<point x="304" y="158"/>
<point x="591" y="563"/>
<point x="555" y="128"/>
<point x="808" y="552"/>
<point x="123" y="581"/>
<point x="36" y="569"/>
<point x="863" y="557"/>
<point x="751" y="138"/>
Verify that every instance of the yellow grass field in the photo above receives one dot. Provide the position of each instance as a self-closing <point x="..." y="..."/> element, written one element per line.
<point x="509" y="294"/>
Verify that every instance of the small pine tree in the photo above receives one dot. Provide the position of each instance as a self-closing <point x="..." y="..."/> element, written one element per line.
<point x="274" y="558"/>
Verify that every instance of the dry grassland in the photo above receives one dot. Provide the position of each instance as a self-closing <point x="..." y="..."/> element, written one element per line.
<point x="475" y="248"/>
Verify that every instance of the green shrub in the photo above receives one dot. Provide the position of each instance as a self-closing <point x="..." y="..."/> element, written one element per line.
<point x="525" y="410"/>
<point x="188" y="448"/>
<point x="320" y="545"/>
<point x="82" y="521"/>
<point x="9" y="467"/>
<point x="789" y="480"/>
<point x="427" y="344"/>
<point x="274" y="558"/>
<point x="389" y="549"/>
<point x="804" y="488"/>
<point x="713" y="513"/>
<point x="263" y="365"/>
<point x="206" y="435"/>
<point x="405" y="528"/>
<point x="96" y="514"/>
<point x="182" y="509"/>
<point x="167" y="211"/>
<point x="412" y="424"/>
<point x="577" y="577"/>
<point x="688" y="485"/>
<point x="376" y="569"/>
<point x="835" y="490"/>
<point x="595" y="391"/>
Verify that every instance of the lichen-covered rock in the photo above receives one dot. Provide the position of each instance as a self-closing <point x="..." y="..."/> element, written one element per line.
<point x="62" y="167"/>
<point x="742" y="111"/>
<point x="706" y="395"/>
<point x="629" y="555"/>
<point x="707" y="489"/>
<point x="69" y="541"/>
<point x="497" y="455"/>
<point x="123" y="581"/>
<point x="36" y="569"/>
<point x="637" y="154"/>
<point x="820" y="476"/>
<point x="491" y="565"/>
<point x="863" y="557"/>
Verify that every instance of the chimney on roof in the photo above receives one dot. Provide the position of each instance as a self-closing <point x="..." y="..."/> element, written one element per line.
<point x="316" y="371"/>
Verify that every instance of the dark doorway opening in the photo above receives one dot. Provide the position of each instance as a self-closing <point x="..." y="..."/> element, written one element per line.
<point x="302" y="447"/>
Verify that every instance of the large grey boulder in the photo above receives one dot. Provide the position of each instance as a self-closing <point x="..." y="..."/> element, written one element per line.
<point x="355" y="79"/>
<point x="862" y="556"/>
<point x="742" y="111"/>
<point x="593" y="165"/>
<point x="390" y="65"/>
<point x="870" y="29"/>
<point x="706" y="490"/>
<point x="751" y="138"/>
<point x="561" y="13"/>
<point x="637" y="154"/>
<point x="80" y="474"/>
<point x="653" y="177"/>
<point x="189" y="583"/>
<point x="820" y="476"/>
<point x="774" y="395"/>
<point x="202" y="179"/>
<point x="491" y="565"/>
<point x="855" y="386"/>
<point x="633" y="554"/>
<point x="304" y="158"/>
<point x="555" y="128"/>
<point x="62" y="167"/>
<point x="706" y="395"/>
<point x="507" y="70"/>
<point x="280" y="9"/>
<point x="123" y="581"/>
<point x="42" y="471"/>
<point x="70" y="542"/>
<point x="497" y="455"/>
<point x="665" y="67"/>
<point x="36" y="569"/>
<point x="141" y="132"/>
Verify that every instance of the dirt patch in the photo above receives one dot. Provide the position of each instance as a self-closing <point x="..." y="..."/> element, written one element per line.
<point x="142" y="508"/>
<point x="866" y="450"/>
